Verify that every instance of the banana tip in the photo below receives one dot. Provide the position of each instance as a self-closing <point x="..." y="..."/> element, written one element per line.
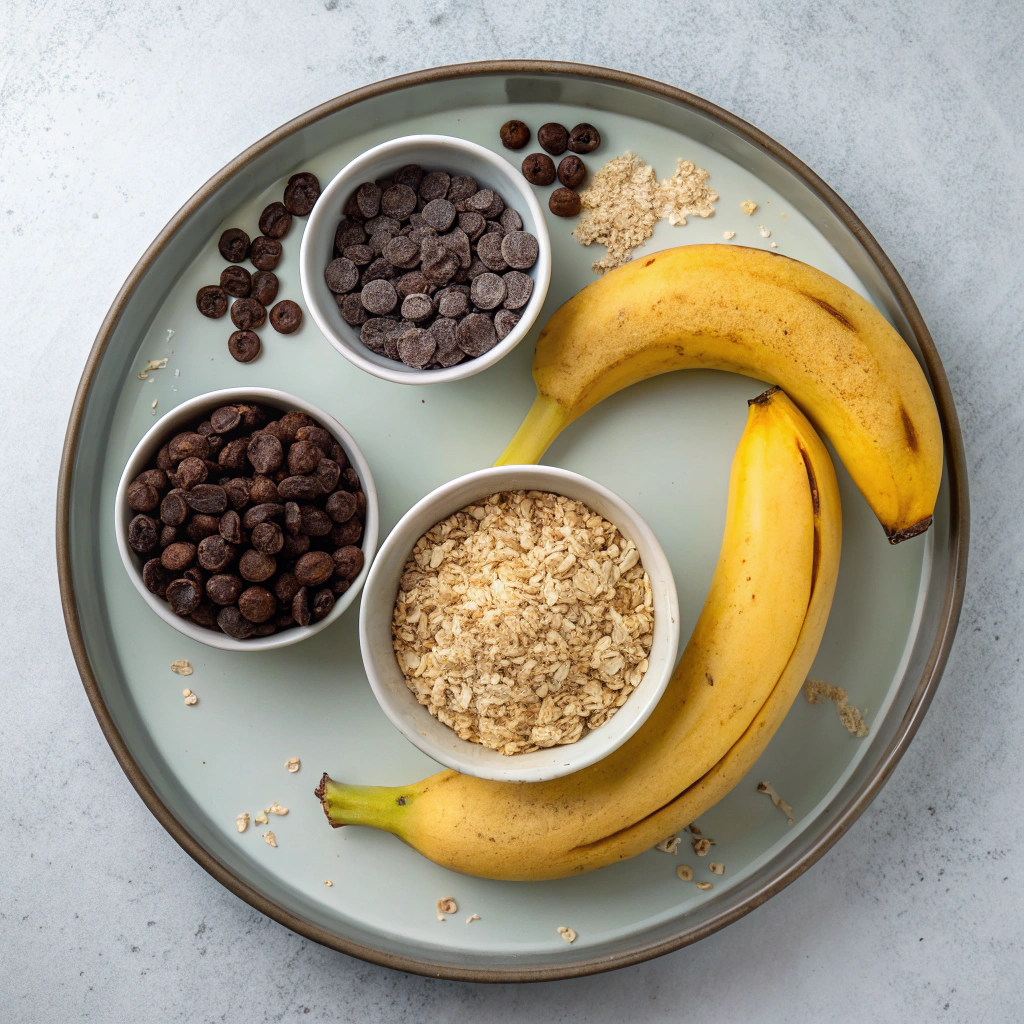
<point x="898" y="536"/>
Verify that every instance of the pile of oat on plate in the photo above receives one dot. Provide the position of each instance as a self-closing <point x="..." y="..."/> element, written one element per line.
<point x="524" y="621"/>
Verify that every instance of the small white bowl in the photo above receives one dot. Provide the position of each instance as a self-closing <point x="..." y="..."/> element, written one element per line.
<point x="440" y="742"/>
<point x="432" y="152"/>
<point x="195" y="409"/>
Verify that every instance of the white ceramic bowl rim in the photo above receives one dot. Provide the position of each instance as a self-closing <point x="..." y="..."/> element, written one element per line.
<point x="438" y="740"/>
<point x="328" y="209"/>
<point x="165" y="427"/>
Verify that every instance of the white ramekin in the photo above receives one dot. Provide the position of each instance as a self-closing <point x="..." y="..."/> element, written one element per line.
<point x="438" y="740"/>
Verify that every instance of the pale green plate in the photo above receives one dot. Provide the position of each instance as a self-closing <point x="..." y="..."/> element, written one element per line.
<point x="665" y="446"/>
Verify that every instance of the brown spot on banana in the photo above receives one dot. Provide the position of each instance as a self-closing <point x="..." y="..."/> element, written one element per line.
<point x="832" y="311"/>
<point x="908" y="429"/>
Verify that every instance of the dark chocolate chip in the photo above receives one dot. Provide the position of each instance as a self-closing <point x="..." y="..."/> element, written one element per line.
<point x="236" y="281"/>
<point x="244" y="346"/>
<point x="514" y="134"/>
<point x="476" y="335"/>
<point x="584" y="138"/>
<point x="286" y="317"/>
<point x="234" y="245"/>
<point x="301" y="193"/>
<point x="212" y="301"/>
<point x="265" y="253"/>
<point x="248" y="314"/>
<point x="264" y="287"/>
<point x="341" y="275"/>
<point x="275" y="221"/>
<point x="563" y="202"/>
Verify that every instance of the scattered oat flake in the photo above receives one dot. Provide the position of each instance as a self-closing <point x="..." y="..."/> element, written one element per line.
<point x="156" y="364"/>
<point x="774" y="245"/>
<point x="727" y="235"/>
<point x="567" y="933"/>
<point x="817" y="692"/>
<point x="472" y="918"/>
<point x="765" y="232"/>
<point x="190" y="698"/>
<point x="701" y="847"/>
<point x="143" y="375"/>
<point x="704" y="886"/>
<point x="261" y="818"/>
<point x="767" y="787"/>
<point x="620" y="210"/>
<point x="524" y="624"/>
<point x="328" y="883"/>
<point x="177" y="373"/>
<point x="293" y="764"/>
<point x="748" y="206"/>
<point x="669" y="845"/>
<point x="270" y="838"/>
<point x="685" y="873"/>
<point x="716" y="869"/>
<point x="170" y="334"/>
<point x="181" y="667"/>
<point x="446" y="906"/>
<point x="154" y="405"/>
<point x="242" y="821"/>
<point x="276" y="808"/>
<point x="686" y="194"/>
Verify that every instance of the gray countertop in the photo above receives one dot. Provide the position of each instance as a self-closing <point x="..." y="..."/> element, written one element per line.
<point x="111" y="115"/>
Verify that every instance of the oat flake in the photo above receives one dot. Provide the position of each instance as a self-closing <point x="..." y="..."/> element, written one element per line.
<point x="765" y="232"/>
<point x="328" y="883"/>
<point x="181" y="667"/>
<point x="293" y="764"/>
<point x="767" y="787"/>
<point x="669" y="845"/>
<point x="685" y="873"/>
<point x="567" y="933"/>
<point x="686" y="194"/>
<point x="716" y="869"/>
<point x="472" y="918"/>
<point x="261" y="818"/>
<point x="276" y="808"/>
<point x="270" y="838"/>
<point x="817" y="692"/>
<point x="727" y="235"/>
<point x="242" y="821"/>
<point x="704" y="886"/>
<point x="748" y="206"/>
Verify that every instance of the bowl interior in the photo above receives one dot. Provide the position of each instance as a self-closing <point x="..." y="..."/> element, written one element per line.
<point x="432" y="152"/>
<point x="437" y="739"/>
<point x="179" y="419"/>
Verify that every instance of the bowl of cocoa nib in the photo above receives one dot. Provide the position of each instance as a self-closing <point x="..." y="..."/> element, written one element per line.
<point x="247" y="519"/>
<point x="426" y="260"/>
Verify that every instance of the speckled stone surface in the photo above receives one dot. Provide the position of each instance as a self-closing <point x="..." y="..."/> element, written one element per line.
<point x="112" y="114"/>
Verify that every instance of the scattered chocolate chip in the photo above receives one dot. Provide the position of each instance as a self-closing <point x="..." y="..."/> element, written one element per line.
<point x="514" y="134"/>
<point x="553" y="137"/>
<point x="571" y="171"/>
<point x="212" y="301"/>
<point x="539" y="169"/>
<point x="236" y="281"/>
<point x="264" y="287"/>
<point x="234" y="245"/>
<point x="584" y="138"/>
<point x="563" y="202"/>
<point x="275" y="221"/>
<point x="248" y="314"/>
<point x="286" y="317"/>
<point x="301" y="193"/>
<point x="265" y="253"/>
<point x="244" y="346"/>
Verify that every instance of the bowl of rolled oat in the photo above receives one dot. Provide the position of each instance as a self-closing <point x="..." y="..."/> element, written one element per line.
<point x="519" y="623"/>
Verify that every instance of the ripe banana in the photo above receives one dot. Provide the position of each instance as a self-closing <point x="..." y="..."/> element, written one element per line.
<point x="749" y="653"/>
<point x="726" y="307"/>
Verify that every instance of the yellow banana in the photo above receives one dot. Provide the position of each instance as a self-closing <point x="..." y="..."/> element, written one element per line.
<point x="758" y="632"/>
<point x="726" y="307"/>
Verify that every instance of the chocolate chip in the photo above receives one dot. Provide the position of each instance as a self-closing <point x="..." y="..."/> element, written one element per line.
<point x="236" y="281"/>
<point x="232" y="456"/>
<point x="514" y="134"/>
<point x="539" y="169"/>
<point x="248" y="314"/>
<point x="439" y="214"/>
<point x="382" y="222"/>
<point x="348" y="562"/>
<point x="143" y="497"/>
<point x="553" y="137"/>
<point x="346" y="533"/>
<point x="265" y="253"/>
<point x="191" y="471"/>
<point x="379" y="297"/>
<point x="410" y="174"/>
<point x="300" y="607"/>
<point x="487" y="291"/>
<point x="275" y="221"/>
<point x="154" y="477"/>
<point x="229" y="526"/>
<point x="341" y="506"/>
<point x="341" y="275"/>
<point x="244" y="346"/>
<point x="352" y="310"/>
<point x="327" y="474"/>
<point x="223" y="588"/>
<point x="212" y="301"/>
<point x="490" y="253"/>
<point x="234" y="245"/>
<point x="379" y="270"/>
<point x="453" y="304"/>
<point x="261" y="513"/>
<point x="571" y="171"/>
<point x="413" y="283"/>
<point x="473" y="224"/>
<point x="183" y="596"/>
<point x="510" y="220"/>
<point x="584" y="138"/>
<point x="142" y="533"/>
<point x="210" y="499"/>
<point x="563" y="202"/>
<point x="286" y="317"/>
<point x="398" y="201"/>
<point x="481" y="201"/>
<point x="323" y="603"/>
<point x="374" y="331"/>
<point x="416" y="347"/>
<point x="177" y="556"/>
<point x="476" y="335"/>
<point x="264" y="287"/>
<point x="301" y="193"/>
<point x="299" y="488"/>
<point x="257" y="604"/>
<point x="368" y="199"/>
<point x="461" y="188"/>
<point x="360" y="255"/>
<point x="504" y="321"/>
<point x="402" y="251"/>
<point x="434" y="185"/>
<point x="155" y="577"/>
<point x="173" y="510"/>
<point x="416" y="307"/>
<point x="314" y="568"/>
<point x="314" y="522"/>
<point x="520" y="249"/>
<point x="349" y="232"/>
<point x="265" y="452"/>
<point x="255" y="566"/>
<point x="234" y="624"/>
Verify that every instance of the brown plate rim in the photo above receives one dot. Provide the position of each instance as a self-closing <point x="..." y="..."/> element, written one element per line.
<point x="957" y="556"/>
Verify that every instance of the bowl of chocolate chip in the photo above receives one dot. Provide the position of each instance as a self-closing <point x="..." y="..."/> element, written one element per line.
<point x="426" y="260"/>
<point x="247" y="519"/>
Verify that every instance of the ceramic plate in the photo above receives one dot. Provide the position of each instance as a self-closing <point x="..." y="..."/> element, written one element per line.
<point x="665" y="446"/>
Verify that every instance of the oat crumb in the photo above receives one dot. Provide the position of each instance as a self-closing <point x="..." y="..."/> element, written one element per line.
<point x="686" y="194"/>
<point x="684" y="872"/>
<point x="293" y="764"/>
<point x="669" y="845"/>
<point x="154" y="405"/>
<point x="242" y="821"/>
<point x="276" y="808"/>
<point x="716" y="869"/>
<point x="156" y="364"/>
<point x="727" y="235"/>
<point x="472" y="918"/>
<point x="765" y="232"/>
<point x="270" y="838"/>
<point x="446" y="906"/>
<point x="328" y="883"/>
<point x="261" y="818"/>
<point x="704" y="886"/>
<point x="767" y="787"/>
<point x="567" y="933"/>
<point x="190" y="698"/>
<point x="701" y="847"/>
<point x="748" y="206"/>
<point x="181" y="667"/>
<point x="817" y="692"/>
<point x="143" y="375"/>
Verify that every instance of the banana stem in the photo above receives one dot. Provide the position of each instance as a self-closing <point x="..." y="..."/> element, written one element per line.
<point x="375" y="806"/>
<point x="544" y="422"/>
